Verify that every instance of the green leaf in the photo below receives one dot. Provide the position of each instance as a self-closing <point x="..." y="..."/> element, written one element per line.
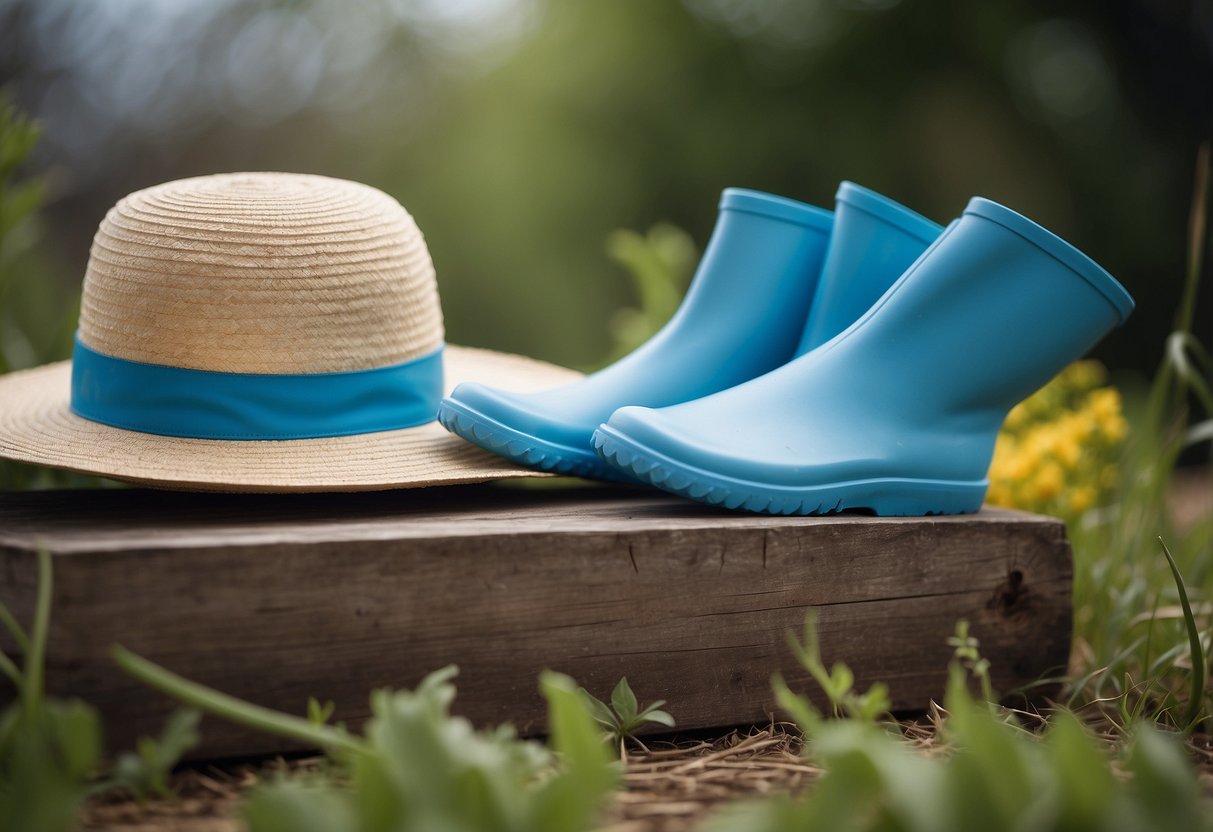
<point x="76" y="730"/>
<point x="1196" y="693"/>
<point x="624" y="702"/>
<point x="841" y="681"/>
<point x="995" y="771"/>
<point x="318" y="714"/>
<point x="1163" y="791"/>
<point x="874" y="704"/>
<point x="299" y="807"/>
<point x="806" y="717"/>
<point x="1080" y="772"/>
<point x="146" y="772"/>
<point x="573" y="798"/>
<point x="573" y="734"/>
<point x="46" y="755"/>
<point x="652" y="714"/>
<point x="599" y="710"/>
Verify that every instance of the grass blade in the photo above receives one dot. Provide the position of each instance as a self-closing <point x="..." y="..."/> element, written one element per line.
<point x="9" y="669"/>
<point x="34" y="659"/>
<point x="14" y="629"/>
<point x="233" y="709"/>
<point x="1196" y="695"/>
<point x="1197" y="226"/>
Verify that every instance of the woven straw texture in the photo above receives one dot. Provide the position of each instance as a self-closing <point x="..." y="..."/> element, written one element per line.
<point x="260" y="273"/>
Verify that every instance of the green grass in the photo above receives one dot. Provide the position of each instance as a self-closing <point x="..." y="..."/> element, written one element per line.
<point x="1136" y="631"/>
<point x="993" y="774"/>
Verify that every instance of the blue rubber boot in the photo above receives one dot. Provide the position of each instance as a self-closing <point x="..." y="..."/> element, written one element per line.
<point x="742" y="316"/>
<point x="742" y="286"/>
<point x="899" y="413"/>
<point x="873" y="242"/>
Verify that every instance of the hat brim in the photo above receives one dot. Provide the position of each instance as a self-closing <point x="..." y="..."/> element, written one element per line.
<point x="37" y="426"/>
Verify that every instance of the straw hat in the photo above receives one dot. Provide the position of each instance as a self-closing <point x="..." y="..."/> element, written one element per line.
<point x="258" y="332"/>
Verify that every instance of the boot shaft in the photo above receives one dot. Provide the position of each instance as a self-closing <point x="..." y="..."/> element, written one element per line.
<point x="990" y="312"/>
<point x="873" y="242"/>
<point x="758" y="274"/>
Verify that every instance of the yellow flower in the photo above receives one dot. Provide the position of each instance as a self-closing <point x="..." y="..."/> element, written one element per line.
<point x="1056" y="451"/>
<point x="1082" y="498"/>
<point x="1068" y="449"/>
<point x="998" y="494"/>
<point x="1116" y="429"/>
<point x="1083" y="375"/>
<point x="1016" y="418"/>
<point x="1105" y="403"/>
<point x="1048" y="482"/>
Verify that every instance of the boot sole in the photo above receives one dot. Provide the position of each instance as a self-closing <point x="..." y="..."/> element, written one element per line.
<point x="892" y="497"/>
<point x="519" y="447"/>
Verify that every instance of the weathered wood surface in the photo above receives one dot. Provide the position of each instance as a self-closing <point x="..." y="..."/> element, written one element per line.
<point x="277" y="598"/>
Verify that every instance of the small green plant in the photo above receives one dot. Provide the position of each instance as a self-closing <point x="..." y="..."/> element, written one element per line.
<point x="320" y="713"/>
<point x="144" y="771"/>
<point x="837" y="683"/>
<point x="660" y="265"/>
<point x="36" y="323"/>
<point x="966" y="653"/>
<point x="624" y="716"/>
<point x="19" y="198"/>
<point x="416" y="767"/>
<point x="991" y="775"/>
<point x="50" y="749"/>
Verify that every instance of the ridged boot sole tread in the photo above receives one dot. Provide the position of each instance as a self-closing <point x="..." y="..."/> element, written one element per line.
<point x="520" y="447"/>
<point x="886" y="497"/>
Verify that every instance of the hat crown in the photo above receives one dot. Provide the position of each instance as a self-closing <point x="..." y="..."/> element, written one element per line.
<point x="261" y="273"/>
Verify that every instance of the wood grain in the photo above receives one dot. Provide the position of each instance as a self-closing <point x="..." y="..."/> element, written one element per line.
<point x="278" y="598"/>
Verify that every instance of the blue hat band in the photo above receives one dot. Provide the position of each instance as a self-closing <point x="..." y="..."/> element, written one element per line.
<point x="199" y="404"/>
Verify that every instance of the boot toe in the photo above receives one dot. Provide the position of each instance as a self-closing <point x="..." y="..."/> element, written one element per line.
<point x="510" y="425"/>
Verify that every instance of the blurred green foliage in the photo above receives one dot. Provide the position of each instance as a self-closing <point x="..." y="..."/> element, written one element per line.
<point x="417" y="767"/>
<point x="30" y="323"/>
<point x="36" y="318"/>
<point x="50" y="749"/>
<point x="989" y="773"/>
<point x="660" y="264"/>
<point x="522" y="132"/>
<point x="1136" y="642"/>
<point x="627" y="113"/>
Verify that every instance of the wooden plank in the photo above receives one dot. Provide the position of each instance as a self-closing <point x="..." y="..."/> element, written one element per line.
<point x="277" y="598"/>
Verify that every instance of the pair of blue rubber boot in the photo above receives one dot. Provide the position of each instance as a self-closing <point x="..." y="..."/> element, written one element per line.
<point x="859" y="359"/>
